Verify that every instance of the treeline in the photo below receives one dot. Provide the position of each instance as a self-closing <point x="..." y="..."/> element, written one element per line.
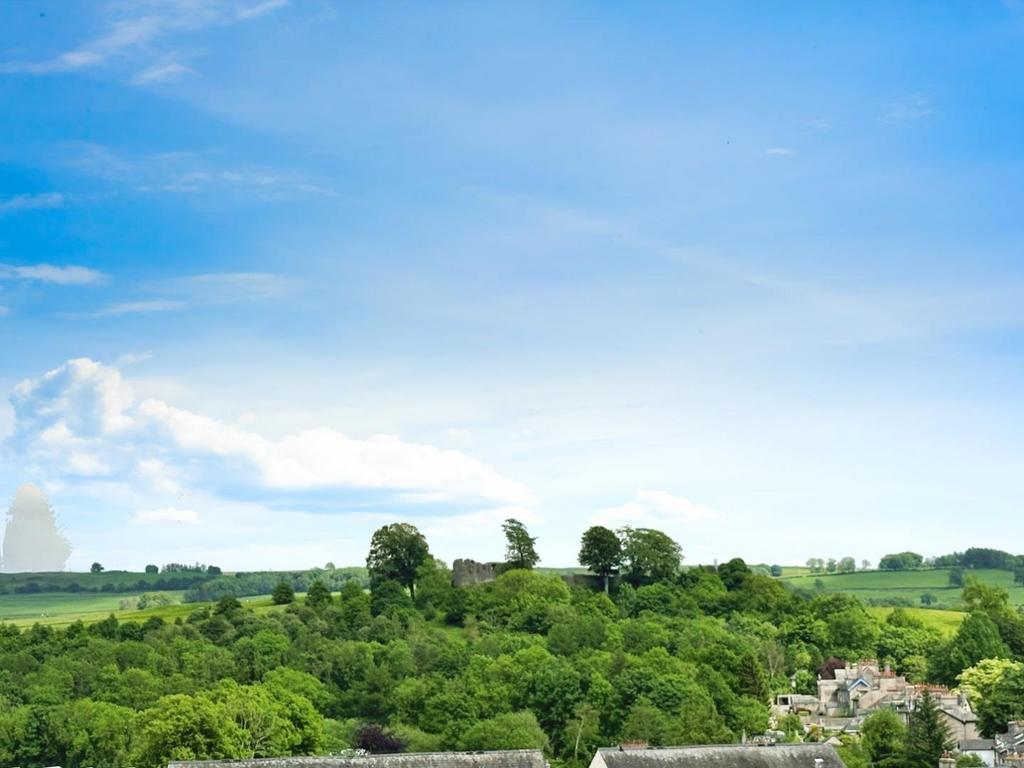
<point x="668" y="656"/>
<point x="76" y="583"/>
<point x="833" y="565"/>
<point x="263" y="583"/>
<point x="974" y="557"/>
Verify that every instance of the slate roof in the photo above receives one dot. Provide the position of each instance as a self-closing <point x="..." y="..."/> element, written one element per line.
<point x="977" y="745"/>
<point x="513" y="758"/>
<point x="724" y="756"/>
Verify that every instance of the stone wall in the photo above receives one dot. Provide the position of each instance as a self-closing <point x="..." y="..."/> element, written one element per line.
<point x="466" y="572"/>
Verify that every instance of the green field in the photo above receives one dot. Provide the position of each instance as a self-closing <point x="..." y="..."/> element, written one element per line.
<point x="59" y="610"/>
<point x="947" y="622"/>
<point x="909" y="585"/>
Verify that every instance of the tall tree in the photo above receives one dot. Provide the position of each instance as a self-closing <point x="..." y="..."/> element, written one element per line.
<point x="601" y="552"/>
<point x="396" y="552"/>
<point x="520" y="549"/>
<point x="927" y="737"/>
<point x="318" y="595"/>
<point x="649" y="555"/>
<point x="884" y="737"/>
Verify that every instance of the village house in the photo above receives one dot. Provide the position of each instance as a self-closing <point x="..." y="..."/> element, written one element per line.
<point x="860" y="688"/>
<point x="1009" y="746"/>
<point x="863" y="687"/>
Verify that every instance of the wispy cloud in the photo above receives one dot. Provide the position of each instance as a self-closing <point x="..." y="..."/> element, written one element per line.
<point x="655" y="509"/>
<point x="162" y="73"/>
<point x="48" y="273"/>
<point x="226" y="287"/>
<point x="133" y="30"/>
<point x="190" y="173"/>
<point x="780" y="152"/>
<point x="137" y="308"/>
<point x="916" y="106"/>
<point x="197" y="291"/>
<point x="32" y="202"/>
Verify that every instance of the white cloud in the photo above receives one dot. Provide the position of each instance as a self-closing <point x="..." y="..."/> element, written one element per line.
<point x="32" y="202"/>
<point x="48" y="273"/>
<point x="223" y="287"/>
<point x="190" y="173"/>
<point x="136" y="308"/>
<point x="162" y="73"/>
<point x="86" y="408"/>
<point x="655" y="509"/>
<point x="132" y="36"/>
<point x="484" y="524"/>
<point x="780" y="152"/>
<point x="166" y="515"/>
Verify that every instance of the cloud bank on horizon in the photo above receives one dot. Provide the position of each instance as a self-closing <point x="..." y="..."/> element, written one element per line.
<point x="275" y="273"/>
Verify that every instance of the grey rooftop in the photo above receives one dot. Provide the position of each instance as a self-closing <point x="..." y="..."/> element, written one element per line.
<point x="513" y="758"/>
<point x="722" y="756"/>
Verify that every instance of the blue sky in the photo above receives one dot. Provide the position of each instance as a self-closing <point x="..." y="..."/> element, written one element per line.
<point x="273" y="274"/>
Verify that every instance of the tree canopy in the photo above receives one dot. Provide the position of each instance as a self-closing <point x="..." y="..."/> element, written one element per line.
<point x="396" y="553"/>
<point x="601" y="552"/>
<point x="520" y="547"/>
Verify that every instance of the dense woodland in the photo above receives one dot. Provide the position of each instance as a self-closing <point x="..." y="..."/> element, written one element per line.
<point x="670" y="656"/>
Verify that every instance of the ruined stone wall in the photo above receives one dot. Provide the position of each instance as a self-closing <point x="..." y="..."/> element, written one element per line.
<point x="466" y="572"/>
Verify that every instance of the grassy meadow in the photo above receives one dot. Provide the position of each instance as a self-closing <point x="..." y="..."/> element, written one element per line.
<point x="909" y="585"/>
<point x="59" y="610"/>
<point x="947" y="622"/>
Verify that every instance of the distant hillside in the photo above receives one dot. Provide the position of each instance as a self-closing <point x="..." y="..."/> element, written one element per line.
<point x="890" y="588"/>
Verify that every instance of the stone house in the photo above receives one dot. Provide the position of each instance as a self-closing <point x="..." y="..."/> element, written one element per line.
<point x="860" y="688"/>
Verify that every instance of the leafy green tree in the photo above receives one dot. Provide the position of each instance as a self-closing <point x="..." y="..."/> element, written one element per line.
<point x="645" y="722"/>
<point x="601" y="552"/>
<point x="976" y="638"/>
<point x="520" y="547"/>
<point x="1003" y="703"/>
<point x="95" y="568"/>
<point x="389" y="598"/>
<point x="282" y="594"/>
<point x="901" y="561"/>
<point x="649" y="555"/>
<point x="791" y="725"/>
<point x="733" y="573"/>
<point x="396" y="552"/>
<point x="182" y="727"/>
<point x="956" y="576"/>
<point x="511" y="730"/>
<point x="152" y="569"/>
<point x="846" y="565"/>
<point x="318" y="596"/>
<point x="927" y="738"/>
<point x="884" y="736"/>
<point x="752" y="678"/>
<point x="93" y="732"/>
<point x="979" y="680"/>
<point x="970" y="760"/>
<point x="583" y="731"/>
